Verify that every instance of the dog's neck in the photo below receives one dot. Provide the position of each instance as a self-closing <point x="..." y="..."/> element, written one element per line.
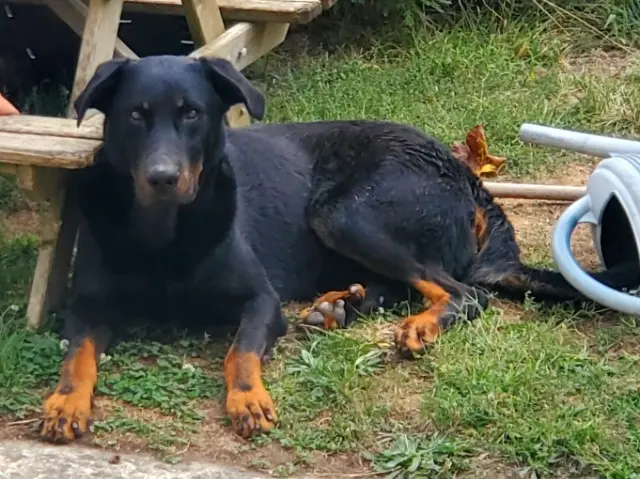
<point x="154" y="225"/>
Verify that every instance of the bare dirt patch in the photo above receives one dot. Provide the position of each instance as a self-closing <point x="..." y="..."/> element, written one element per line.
<point x="534" y="221"/>
<point x="609" y="64"/>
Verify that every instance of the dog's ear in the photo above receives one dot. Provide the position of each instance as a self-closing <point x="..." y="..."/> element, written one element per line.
<point x="101" y="88"/>
<point x="233" y="87"/>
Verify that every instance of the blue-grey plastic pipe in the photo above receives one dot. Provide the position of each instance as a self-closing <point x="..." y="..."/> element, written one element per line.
<point x="594" y="145"/>
<point x="573" y="273"/>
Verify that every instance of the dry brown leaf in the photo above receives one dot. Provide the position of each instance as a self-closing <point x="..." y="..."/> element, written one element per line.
<point x="475" y="153"/>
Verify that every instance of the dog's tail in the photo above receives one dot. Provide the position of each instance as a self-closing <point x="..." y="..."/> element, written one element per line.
<point x="516" y="280"/>
<point x="498" y="266"/>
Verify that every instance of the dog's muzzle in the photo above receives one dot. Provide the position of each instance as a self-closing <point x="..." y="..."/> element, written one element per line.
<point x="167" y="182"/>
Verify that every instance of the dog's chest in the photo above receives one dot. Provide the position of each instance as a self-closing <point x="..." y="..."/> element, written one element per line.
<point x="138" y="270"/>
<point x="136" y="265"/>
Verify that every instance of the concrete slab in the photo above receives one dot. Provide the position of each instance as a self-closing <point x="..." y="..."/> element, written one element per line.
<point x="35" y="460"/>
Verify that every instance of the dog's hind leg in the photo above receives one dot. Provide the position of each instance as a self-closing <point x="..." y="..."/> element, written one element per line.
<point x="361" y="239"/>
<point x="450" y="301"/>
<point x="338" y="309"/>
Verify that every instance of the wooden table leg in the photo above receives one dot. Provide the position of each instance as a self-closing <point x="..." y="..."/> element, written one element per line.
<point x="49" y="286"/>
<point x="57" y="237"/>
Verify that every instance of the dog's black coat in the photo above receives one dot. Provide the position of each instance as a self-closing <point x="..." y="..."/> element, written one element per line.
<point x="280" y="212"/>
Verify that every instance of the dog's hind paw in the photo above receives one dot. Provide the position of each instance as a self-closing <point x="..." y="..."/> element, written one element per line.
<point x="335" y="309"/>
<point x="415" y="332"/>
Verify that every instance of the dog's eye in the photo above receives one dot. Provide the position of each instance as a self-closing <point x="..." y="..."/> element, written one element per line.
<point x="136" y="115"/>
<point x="191" y="114"/>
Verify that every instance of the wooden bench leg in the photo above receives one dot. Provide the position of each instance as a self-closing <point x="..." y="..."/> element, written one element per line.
<point x="54" y="259"/>
<point x="63" y="252"/>
<point x="44" y="186"/>
<point x="51" y="275"/>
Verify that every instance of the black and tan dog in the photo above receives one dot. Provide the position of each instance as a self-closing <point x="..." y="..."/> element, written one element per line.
<point x="182" y="215"/>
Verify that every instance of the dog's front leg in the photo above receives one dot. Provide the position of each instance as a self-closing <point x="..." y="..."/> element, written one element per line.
<point x="234" y="273"/>
<point x="67" y="412"/>
<point x="248" y="404"/>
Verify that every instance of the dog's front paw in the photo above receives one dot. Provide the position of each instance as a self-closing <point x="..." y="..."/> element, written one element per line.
<point x="251" y="410"/>
<point x="335" y="309"/>
<point x="67" y="416"/>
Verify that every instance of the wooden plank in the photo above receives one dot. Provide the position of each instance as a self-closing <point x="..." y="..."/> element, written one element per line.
<point x="66" y="232"/>
<point x="58" y="234"/>
<point x="243" y="43"/>
<point x="36" y="307"/>
<point x="48" y="126"/>
<point x="204" y="20"/>
<point x="74" y="14"/>
<point x="50" y="151"/>
<point x="279" y="11"/>
<point x="98" y="42"/>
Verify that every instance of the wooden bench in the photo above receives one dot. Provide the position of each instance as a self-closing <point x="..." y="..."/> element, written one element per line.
<point x="39" y="151"/>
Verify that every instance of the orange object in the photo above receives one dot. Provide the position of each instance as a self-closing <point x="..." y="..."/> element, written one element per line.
<point x="6" y="108"/>
<point x="475" y="153"/>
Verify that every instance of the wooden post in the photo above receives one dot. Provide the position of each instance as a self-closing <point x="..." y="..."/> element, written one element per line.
<point x="51" y="275"/>
<point x="204" y="20"/>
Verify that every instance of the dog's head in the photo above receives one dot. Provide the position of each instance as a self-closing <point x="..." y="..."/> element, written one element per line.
<point x="164" y="119"/>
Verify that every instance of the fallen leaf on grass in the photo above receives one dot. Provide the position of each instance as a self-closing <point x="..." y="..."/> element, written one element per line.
<point x="475" y="153"/>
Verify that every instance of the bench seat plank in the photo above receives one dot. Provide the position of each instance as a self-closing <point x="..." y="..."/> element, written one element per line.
<point x="48" y="126"/>
<point x="51" y="151"/>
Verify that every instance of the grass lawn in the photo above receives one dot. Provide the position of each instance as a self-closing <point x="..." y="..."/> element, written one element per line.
<point x="543" y="392"/>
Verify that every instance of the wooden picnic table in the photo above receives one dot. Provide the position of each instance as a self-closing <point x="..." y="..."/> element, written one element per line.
<point x="40" y="151"/>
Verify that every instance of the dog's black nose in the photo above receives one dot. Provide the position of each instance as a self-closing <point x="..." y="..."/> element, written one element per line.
<point x="163" y="176"/>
